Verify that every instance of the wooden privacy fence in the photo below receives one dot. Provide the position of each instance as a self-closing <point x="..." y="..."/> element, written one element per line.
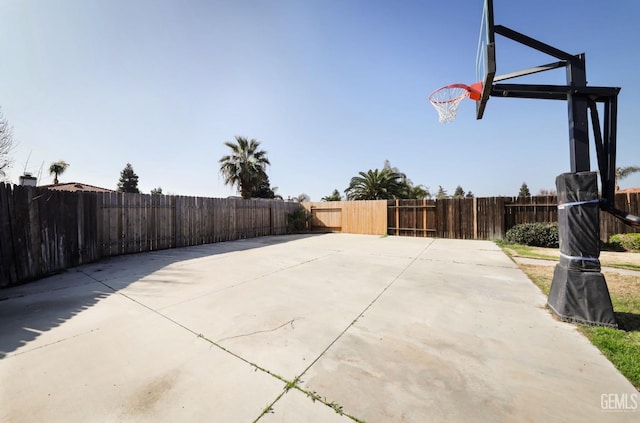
<point x="44" y="231"/>
<point x="458" y="218"/>
<point x="465" y="218"/>
<point x="489" y="218"/>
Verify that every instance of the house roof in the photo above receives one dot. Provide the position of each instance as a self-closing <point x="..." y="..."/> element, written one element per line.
<point x="75" y="187"/>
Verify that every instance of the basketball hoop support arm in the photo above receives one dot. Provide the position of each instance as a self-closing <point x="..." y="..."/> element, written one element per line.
<point x="576" y="77"/>
<point x="580" y="99"/>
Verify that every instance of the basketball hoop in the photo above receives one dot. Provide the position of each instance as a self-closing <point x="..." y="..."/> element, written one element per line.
<point x="446" y="99"/>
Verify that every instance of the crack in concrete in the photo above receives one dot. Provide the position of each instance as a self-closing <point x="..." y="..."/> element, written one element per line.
<point x="259" y="331"/>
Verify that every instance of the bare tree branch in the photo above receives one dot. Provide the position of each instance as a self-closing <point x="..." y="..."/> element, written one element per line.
<point x="6" y="147"/>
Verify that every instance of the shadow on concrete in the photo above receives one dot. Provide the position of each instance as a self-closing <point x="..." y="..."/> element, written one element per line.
<point x="27" y="311"/>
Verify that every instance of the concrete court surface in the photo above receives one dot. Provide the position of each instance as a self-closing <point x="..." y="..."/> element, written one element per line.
<point x="380" y="329"/>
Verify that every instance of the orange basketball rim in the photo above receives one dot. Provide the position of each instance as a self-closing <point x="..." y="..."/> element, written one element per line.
<point x="446" y="99"/>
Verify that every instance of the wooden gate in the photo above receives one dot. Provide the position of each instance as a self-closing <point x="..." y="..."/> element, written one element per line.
<point x="326" y="219"/>
<point x="354" y="217"/>
<point x="411" y="217"/>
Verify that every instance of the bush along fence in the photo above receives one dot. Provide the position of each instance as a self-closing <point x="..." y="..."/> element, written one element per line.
<point x="44" y="231"/>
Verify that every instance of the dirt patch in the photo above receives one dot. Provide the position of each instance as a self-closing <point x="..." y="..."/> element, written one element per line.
<point x="540" y="275"/>
<point x="151" y="394"/>
<point x="619" y="285"/>
<point x="612" y="258"/>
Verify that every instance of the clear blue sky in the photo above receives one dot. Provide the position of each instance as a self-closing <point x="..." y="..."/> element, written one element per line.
<point x="330" y="88"/>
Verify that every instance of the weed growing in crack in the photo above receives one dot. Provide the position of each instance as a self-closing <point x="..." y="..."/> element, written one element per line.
<point x="290" y="385"/>
<point x="336" y="407"/>
<point x="313" y="395"/>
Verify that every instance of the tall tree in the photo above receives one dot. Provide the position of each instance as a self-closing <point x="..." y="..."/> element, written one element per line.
<point x="276" y="196"/>
<point x="302" y="198"/>
<point x="623" y="172"/>
<point x="416" y="192"/>
<point x="335" y="196"/>
<point x="442" y="193"/>
<point x="376" y="184"/>
<point x="6" y="146"/>
<point x="156" y="191"/>
<point x="524" y="190"/>
<point x="469" y="194"/>
<point x="245" y="167"/>
<point x="408" y="190"/>
<point x="459" y="192"/>
<point x="128" y="180"/>
<point x="401" y="176"/>
<point x="57" y="168"/>
<point x="264" y="190"/>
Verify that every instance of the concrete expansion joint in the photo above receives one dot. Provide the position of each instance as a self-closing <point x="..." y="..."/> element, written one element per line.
<point x="51" y="343"/>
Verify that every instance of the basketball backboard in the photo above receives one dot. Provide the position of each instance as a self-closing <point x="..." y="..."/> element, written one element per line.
<point x="485" y="57"/>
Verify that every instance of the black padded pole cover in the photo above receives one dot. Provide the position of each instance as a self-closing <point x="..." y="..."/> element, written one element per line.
<point x="579" y="220"/>
<point x="579" y="291"/>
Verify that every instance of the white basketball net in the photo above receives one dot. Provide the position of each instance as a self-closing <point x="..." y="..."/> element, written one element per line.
<point x="446" y="101"/>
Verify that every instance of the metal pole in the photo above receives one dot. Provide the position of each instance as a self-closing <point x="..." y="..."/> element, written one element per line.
<point x="578" y="121"/>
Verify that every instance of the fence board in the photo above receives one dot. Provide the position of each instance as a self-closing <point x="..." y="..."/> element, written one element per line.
<point x="7" y="265"/>
<point x="90" y="229"/>
<point x="20" y="223"/>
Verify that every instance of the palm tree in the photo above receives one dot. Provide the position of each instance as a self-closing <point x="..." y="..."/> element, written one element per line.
<point x="57" y="169"/>
<point x="376" y="184"/>
<point x="245" y="166"/>
<point x="417" y="192"/>
<point x="623" y="172"/>
<point x="335" y="196"/>
<point x="408" y="191"/>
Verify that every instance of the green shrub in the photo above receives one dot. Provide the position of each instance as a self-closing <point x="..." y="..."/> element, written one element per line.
<point x="534" y="234"/>
<point x="627" y="242"/>
<point x="299" y="221"/>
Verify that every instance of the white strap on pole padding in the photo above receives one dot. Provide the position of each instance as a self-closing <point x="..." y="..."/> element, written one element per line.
<point x="579" y="258"/>
<point x="577" y="203"/>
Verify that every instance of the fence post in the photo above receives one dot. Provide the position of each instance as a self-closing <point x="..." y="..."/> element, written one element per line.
<point x="475" y="217"/>
<point x="424" y="217"/>
<point x="397" y="212"/>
